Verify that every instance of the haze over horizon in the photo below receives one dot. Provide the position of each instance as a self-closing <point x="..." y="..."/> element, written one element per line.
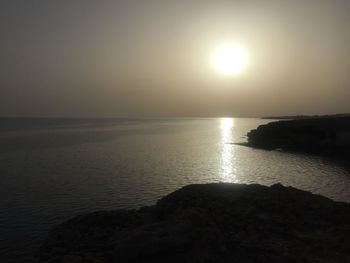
<point x="154" y="58"/>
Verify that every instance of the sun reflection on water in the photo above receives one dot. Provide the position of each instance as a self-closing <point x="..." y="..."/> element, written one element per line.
<point x="227" y="169"/>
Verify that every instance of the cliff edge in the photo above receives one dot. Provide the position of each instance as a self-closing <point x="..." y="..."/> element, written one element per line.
<point x="210" y="223"/>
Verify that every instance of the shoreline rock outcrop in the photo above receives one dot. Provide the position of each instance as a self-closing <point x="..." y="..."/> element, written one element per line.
<point x="210" y="223"/>
<point x="322" y="135"/>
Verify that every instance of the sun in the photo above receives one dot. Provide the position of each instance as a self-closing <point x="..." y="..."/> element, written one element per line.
<point x="229" y="59"/>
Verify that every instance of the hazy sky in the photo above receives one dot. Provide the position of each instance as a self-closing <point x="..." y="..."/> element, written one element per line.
<point x="154" y="58"/>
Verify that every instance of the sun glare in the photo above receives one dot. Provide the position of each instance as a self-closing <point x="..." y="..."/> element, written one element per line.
<point x="229" y="59"/>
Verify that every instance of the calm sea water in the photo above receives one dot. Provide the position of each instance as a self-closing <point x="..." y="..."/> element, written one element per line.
<point x="53" y="169"/>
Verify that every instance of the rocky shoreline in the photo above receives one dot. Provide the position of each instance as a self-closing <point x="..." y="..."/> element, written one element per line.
<point x="328" y="136"/>
<point x="210" y="223"/>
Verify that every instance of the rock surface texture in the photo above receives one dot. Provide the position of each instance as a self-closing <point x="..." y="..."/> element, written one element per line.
<point x="210" y="223"/>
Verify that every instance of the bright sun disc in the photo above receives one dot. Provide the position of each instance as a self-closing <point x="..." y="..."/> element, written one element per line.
<point x="229" y="59"/>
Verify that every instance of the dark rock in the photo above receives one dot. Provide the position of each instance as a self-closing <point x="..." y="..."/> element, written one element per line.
<point x="328" y="136"/>
<point x="210" y="223"/>
<point x="72" y="259"/>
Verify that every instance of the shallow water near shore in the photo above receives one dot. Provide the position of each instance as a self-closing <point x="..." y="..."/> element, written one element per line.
<point x="53" y="169"/>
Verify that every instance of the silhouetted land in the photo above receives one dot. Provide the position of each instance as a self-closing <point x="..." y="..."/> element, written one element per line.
<point x="296" y="117"/>
<point x="210" y="223"/>
<point x="329" y="136"/>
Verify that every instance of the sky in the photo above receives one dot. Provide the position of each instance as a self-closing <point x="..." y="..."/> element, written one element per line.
<point x="153" y="58"/>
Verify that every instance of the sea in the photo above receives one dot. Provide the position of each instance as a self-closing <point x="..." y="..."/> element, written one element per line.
<point x="54" y="169"/>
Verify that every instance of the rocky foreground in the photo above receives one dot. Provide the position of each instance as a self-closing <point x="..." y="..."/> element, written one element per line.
<point x="210" y="223"/>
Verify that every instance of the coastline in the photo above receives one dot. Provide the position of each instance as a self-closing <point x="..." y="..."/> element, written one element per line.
<point x="328" y="136"/>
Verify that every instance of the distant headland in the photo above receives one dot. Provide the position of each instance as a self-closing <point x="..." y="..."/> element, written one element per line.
<point x="297" y="117"/>
<point x="210" y="223"/>
<point x="324" y="135"/>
